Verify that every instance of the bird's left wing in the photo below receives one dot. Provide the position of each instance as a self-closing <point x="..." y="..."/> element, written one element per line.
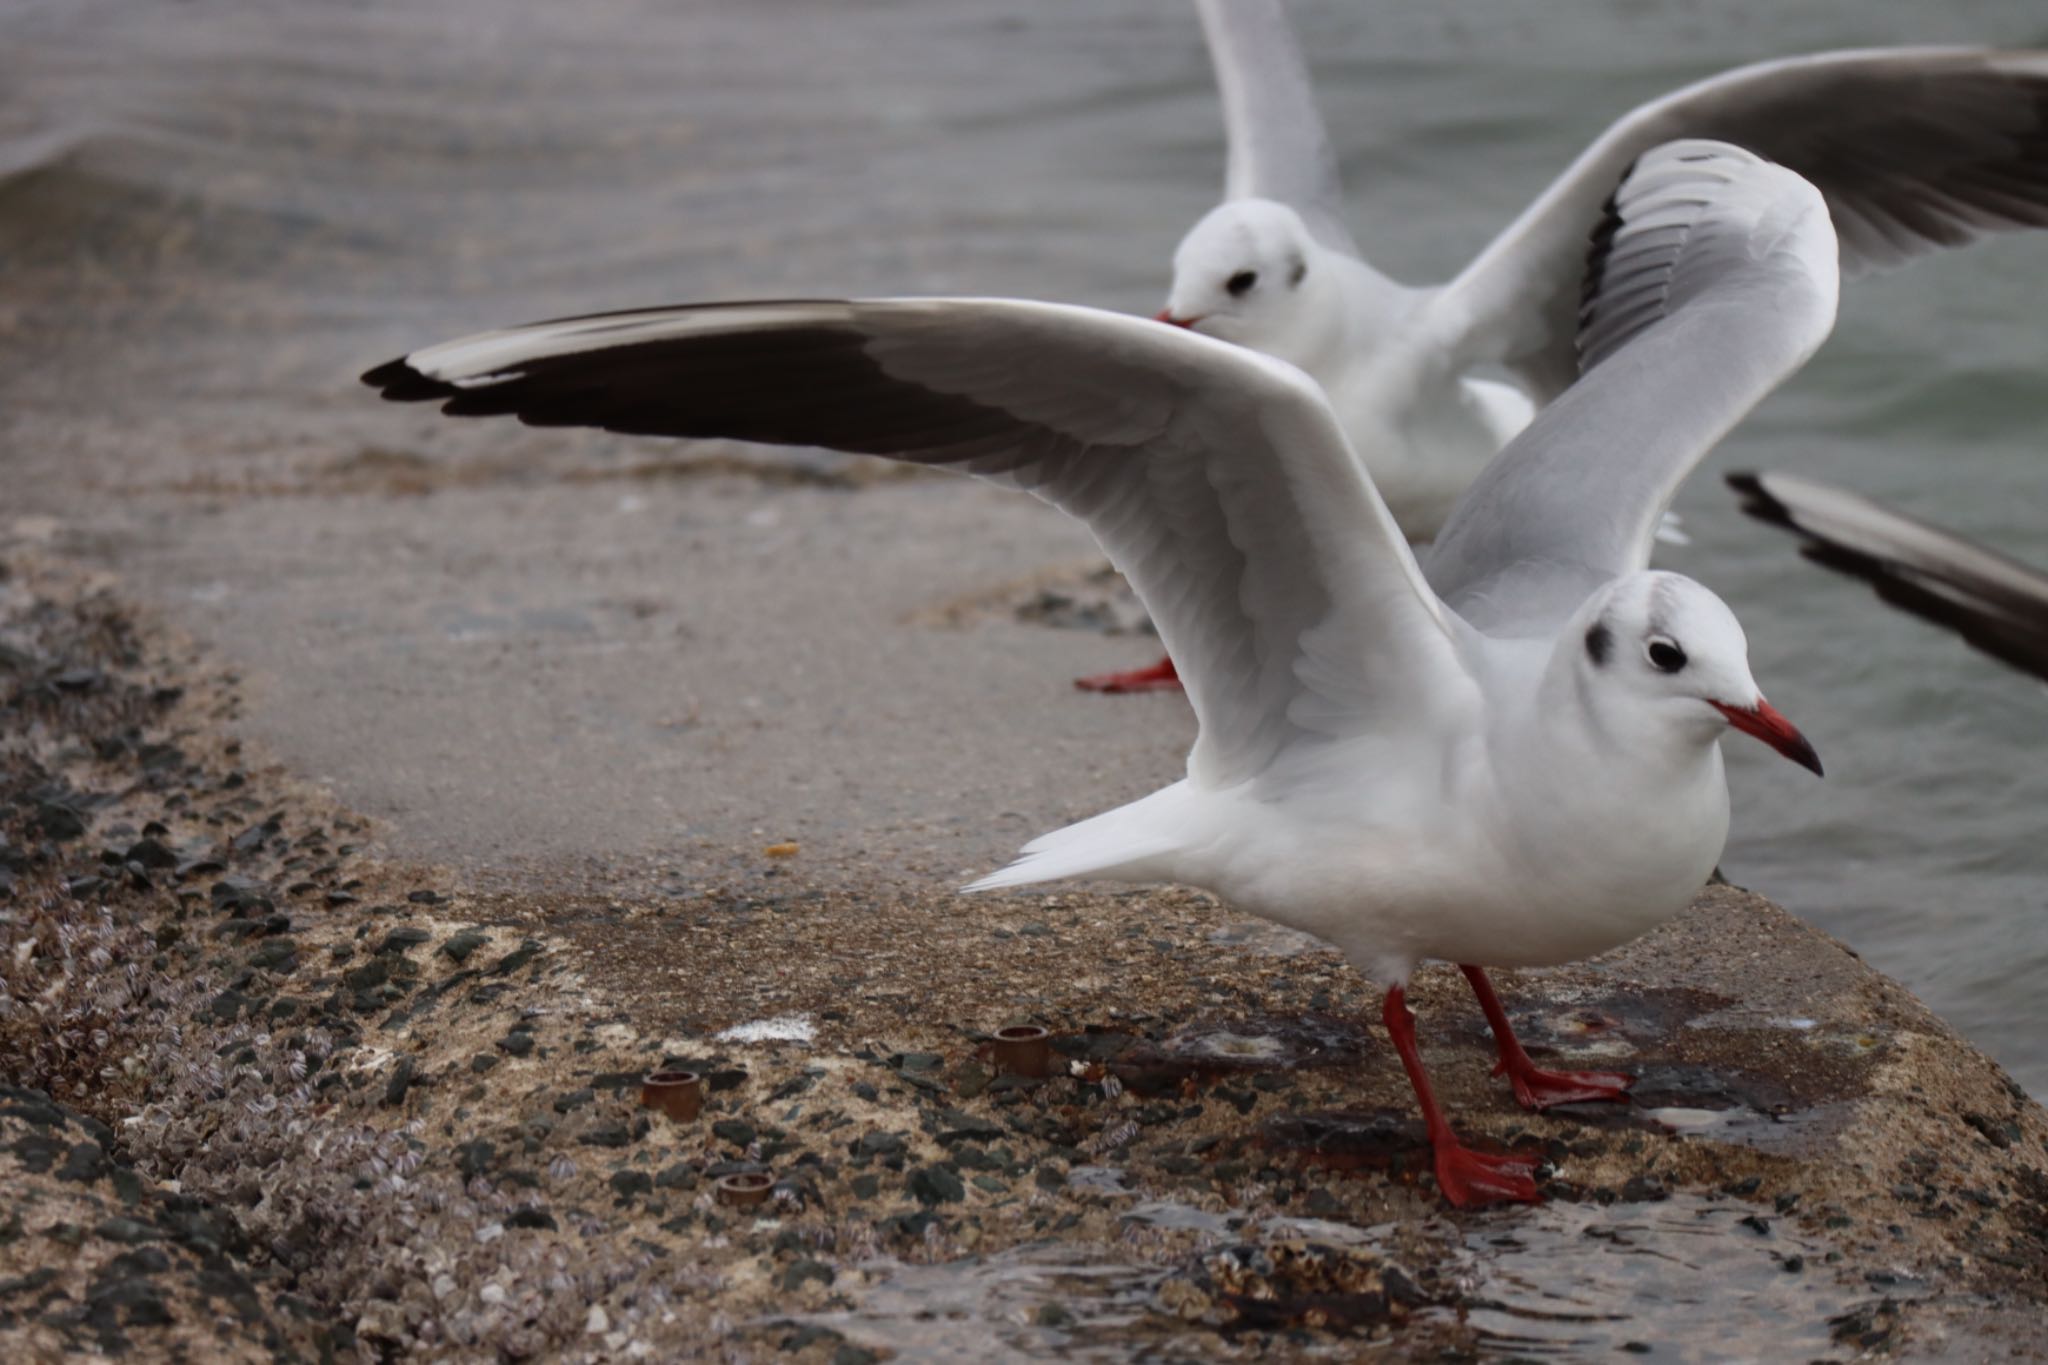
<point x="1217" y="479"/>
<point x="1712" y="279"/>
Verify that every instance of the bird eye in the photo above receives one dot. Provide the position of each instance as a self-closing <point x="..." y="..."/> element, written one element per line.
<point x="1241" y="283"/>
<point x="1665" y="655"/>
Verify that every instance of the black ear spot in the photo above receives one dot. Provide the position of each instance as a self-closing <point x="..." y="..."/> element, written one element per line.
<point x="1241" y="283"/>
<point x="1297" y="272"/>
<point x="1599" y="643"/>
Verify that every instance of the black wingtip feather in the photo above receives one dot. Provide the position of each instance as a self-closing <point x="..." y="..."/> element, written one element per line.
<point x="2010" y="628"/>
<point x="1757" y="500"/>
<point x="398" y="382"/>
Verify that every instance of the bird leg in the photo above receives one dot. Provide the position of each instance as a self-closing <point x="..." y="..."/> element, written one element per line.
<point x="1160" y="677"/>
<point x="1536" y="1088"/>
<point x="1468" y="1179"/>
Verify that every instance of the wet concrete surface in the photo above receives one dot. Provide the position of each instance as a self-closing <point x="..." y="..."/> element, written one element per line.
<point x="387" y="1109"/>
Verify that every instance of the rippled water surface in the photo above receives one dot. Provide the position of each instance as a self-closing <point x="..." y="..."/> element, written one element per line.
<point x="213" y="212"/>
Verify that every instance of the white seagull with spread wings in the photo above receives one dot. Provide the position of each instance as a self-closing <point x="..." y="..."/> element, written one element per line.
<point x="1913" y="149"/>
<point x="1507" y="754"/>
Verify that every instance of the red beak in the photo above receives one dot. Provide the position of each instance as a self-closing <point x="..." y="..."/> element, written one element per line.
<point x="1768" y="724"/>
<point x="1165" y="315"/>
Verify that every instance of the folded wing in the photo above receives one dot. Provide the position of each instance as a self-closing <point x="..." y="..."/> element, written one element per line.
<point x="1914" y="149"/>
<point x="1712" y="278"/>
<point x="1216" y="479"/>
<point x="1994" y="602"/>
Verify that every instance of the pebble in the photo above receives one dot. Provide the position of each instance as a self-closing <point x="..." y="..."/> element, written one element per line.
<point x="958" y="1126"/>
<point x="805" y="1272"/>
<point x="935" y="1185"/>
<point x="1644" y="1189"/>
<point x="127" y="1230"/>
<point x="474" y="1158"/>
<point x="87" y="1162"/>
<point x="151" y="854"/>
<point x="400" y="1082"/>
<point x="459" y="948"/>
<point x="403" y="939"/>
<point x="519" y="957"/>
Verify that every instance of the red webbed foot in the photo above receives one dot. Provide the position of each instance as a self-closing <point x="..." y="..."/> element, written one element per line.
<point x="1160" y="677"/>
<point x="1538" y="1089"/>
<point x="1472" y="1180"/>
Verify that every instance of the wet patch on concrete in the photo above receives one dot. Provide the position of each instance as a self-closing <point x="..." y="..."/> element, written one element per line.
<point x="1687" y="1278"/>
<point x="1693" y="1054"/>
<point x="1282" y="1284"/>
<point x="1390" y="1141"/>
<point x="1207" y="1050"/>
<point x="1034" y="1302"/>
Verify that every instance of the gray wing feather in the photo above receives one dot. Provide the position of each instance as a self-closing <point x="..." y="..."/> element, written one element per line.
<point x="1279" y="148"/>
<point x="1712" y="279"/>
<point x="1216" y="479"/>
<point x="1914" y="149"/>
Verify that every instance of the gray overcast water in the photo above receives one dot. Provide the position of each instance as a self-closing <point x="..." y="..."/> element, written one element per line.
<point x="213" y="213"/>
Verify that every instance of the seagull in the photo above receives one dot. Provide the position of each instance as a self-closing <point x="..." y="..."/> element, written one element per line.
<point x="1996" y="603"/>
<point x="1914" y="149"/>
<point x="1503" y="755"/>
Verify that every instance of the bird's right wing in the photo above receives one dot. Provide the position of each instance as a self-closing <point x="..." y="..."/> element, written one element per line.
<point x="1712" y="279"/>
<point x="1994" y="602"/>
<point x="1914" y="149"/>
<point x="1217" y="479"/>
<point x="1279" y="149"/>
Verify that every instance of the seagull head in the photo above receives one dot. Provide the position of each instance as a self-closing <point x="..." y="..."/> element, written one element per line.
<point x="1242" y="273"/>
<point x="1668" y="658"/>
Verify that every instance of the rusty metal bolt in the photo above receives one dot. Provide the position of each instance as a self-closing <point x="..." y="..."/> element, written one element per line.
<point x="745" y="1189"/>
<point x="1025" y="1049"/>
<point x="679" y="1094"/>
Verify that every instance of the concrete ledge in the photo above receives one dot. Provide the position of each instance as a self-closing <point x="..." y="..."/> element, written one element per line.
<point x="330" y="1098"/>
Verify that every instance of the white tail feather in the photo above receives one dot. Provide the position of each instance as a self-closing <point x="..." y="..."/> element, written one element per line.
<point x="1124" y="844"/>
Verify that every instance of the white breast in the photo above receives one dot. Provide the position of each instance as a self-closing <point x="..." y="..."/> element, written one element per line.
<point x="1459" y="858"/>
